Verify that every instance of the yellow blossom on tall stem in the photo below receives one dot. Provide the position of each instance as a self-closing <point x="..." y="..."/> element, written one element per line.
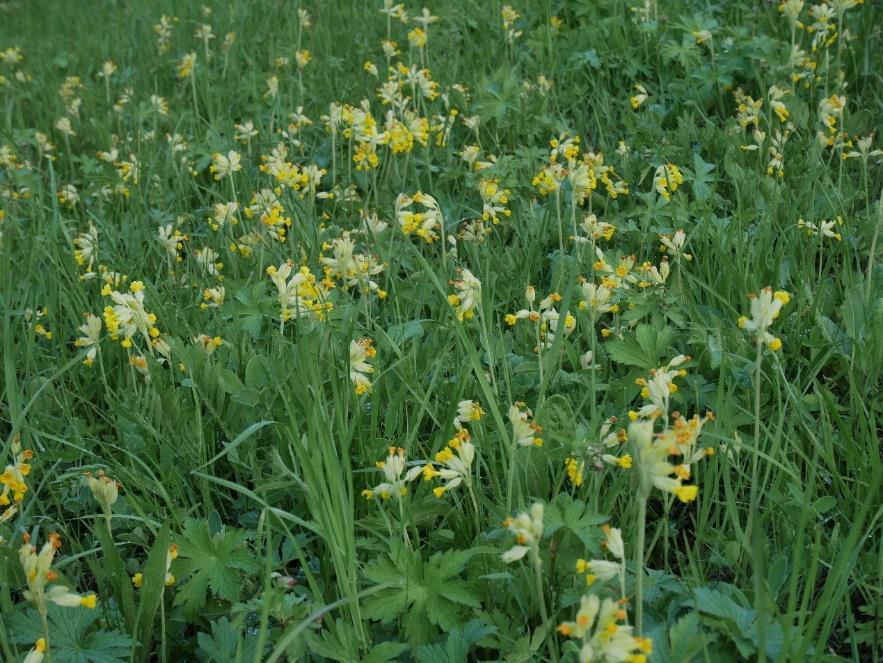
<point x="186" y="64"/>
<point x="299" y="294"/>
<point x="91" y="330"/>
<point x="604" y="638"/>
<point x="39" y="574"/>
<point x="13" y="480"/>
<point x="424" y="223"/>
<point x="128" y="316"/>
<point x="105" y="491"/>
<point x="467" y="412"/>
<point x="765" y="309"/>
<point x="361" y="351"/>
<point x="467" y="297"/>
<point x="494" y="200"/>
<point x="528" y="528"/>
<point x="667" y="179"/>
<point x="397" y="479"/>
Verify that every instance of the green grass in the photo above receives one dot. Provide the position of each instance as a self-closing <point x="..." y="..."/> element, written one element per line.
<point x="252" y="459"/>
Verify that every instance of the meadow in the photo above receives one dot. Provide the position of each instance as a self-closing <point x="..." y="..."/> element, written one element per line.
<point x="359" y="331"/>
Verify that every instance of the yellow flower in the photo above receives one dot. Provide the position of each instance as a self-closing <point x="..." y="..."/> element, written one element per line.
<point x="494" y="200"/>
<point x="468" y="295"/>
<point x="638" y="99"/>
<point x="424" y="223"/>
<point x="361" y="350"/>
<point x="667" y="179"/>
<point x="225" y="165"/>
<point x="186" y="64"/>
<point x="765" y="308"/>
<point x="397" y="479"/>
<point x="523" y="429"/>
<point x="528" y="530"/>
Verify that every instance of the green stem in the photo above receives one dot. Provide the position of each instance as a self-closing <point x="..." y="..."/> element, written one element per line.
<point x="752" y="505"/>
<point x="872" y="253"/>
<point x="538" y="577"/>
<point x="511" y="478"/>
<point x="639" y="566"/>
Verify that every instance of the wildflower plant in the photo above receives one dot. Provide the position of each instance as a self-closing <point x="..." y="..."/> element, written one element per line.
<point x="312" y="234"/>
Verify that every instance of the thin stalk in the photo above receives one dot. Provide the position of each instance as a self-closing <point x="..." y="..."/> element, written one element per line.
<point x="872" y="253"/>
<point x="538" y="578"/>
<point x="639" y="565"/>
<point x="752" y="505"/>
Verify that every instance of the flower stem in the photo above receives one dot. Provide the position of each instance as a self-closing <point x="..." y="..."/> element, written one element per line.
<point x="538" y="577"/>
<point x="752" y="505"/>
<point x="639" y="566"/>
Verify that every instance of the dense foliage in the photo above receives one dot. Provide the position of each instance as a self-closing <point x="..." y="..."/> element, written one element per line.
<point x="356" y="331"/>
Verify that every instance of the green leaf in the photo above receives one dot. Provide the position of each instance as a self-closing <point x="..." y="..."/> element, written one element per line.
<point x="685" y="638"/>
<point x="702" y="177"/>
<point x="645" y="350"/>
<point x="152" y="587"/>
<point x="73" y="638"/>
<point x="429" y="594"/>
<point x="112" y="571"/>
<point x="576" y="517"/>
<point x="211" y="563"/>
<point x="225" y="641"/>
<point x="456" y="646"/>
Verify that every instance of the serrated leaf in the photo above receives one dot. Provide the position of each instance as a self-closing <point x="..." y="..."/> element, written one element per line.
<point x="211" y="562"/>
<point x="428" y="594"/>
<point x="73" y="640"/>
<point x="576" y="517"/>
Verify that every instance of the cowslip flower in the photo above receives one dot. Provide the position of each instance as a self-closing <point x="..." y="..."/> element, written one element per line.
<point x="655" y="470"/>
<point x="208" y="343"/>
<point x="224" y="214"/>
<point x="361" y="350"/>
<point x="37" y="653"/>
<point x="468" y="411"/>
<point x="225" y="165"/>
<point x="212" y="297"/>
<point x="494" y="200"/>
<point x="594" y="230"/>
<point x="169" y="580"/>
<point x="467" y="296"/>
<point x="172" y="240"/>
<point x="546" y="315"/>
<point x="604" y="638"/>
<point x="186" y="64"/>
<point x="765" y="308"/>
<point x="667" y="179"/>
<point x="659" y="388"/>
<point x="528" y="530"/>
<point x="128" y="317"/>
<point x="824" y="228"/>
<point x="524" y="430"/>
<point x="596" y="299"/>
<point x="352" y="269"/>
<point x="91" y="330"/>
<point x="424" y="223"/>
<point x="397" y="479"/>
<point x="775" y="96"/>
<point x="455" y="463"/>
<point x="639" y="98"/>
<point x="13" y="480"/>
<point x="299" y="294"/>
<point x="86" y="250"/>
<point x="39" y="575"/>
<point x="673" y="245"/>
